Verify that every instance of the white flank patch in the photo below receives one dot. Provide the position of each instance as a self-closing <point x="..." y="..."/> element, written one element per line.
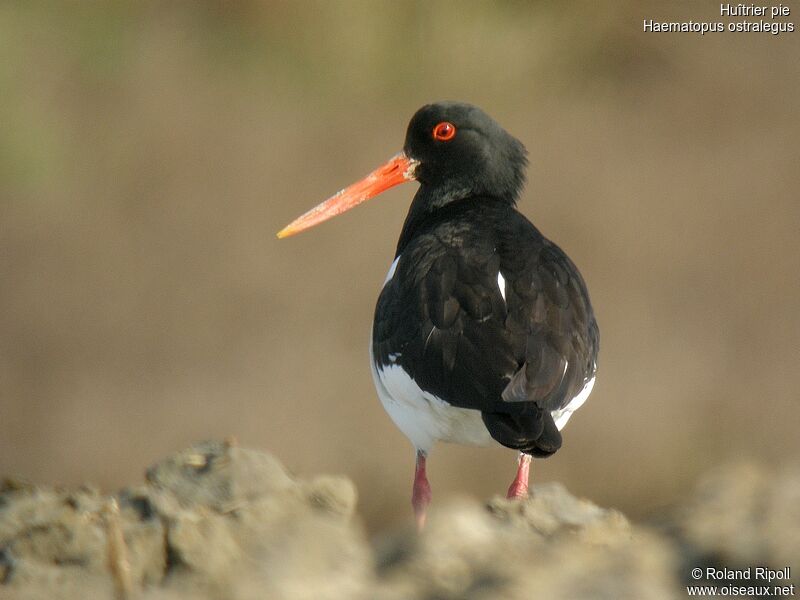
<point x="392" y="269"/>
<point x="562" y="415"/>
<point x="422" y="417"/>
<point x="501" y="283"/>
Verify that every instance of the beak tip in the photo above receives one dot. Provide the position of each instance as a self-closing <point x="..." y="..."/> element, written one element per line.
<point x="286" y="232"/>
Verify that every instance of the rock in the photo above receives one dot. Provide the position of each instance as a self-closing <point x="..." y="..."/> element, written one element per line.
<point x="218" y="475"/>
<point x="53" y="540"/>
<point x="743" y="515"/>
<point x="213" y="521"/>
<point x="550" y="546"/>
<point x="552" y="510"/>
<point x="220" y="522"/>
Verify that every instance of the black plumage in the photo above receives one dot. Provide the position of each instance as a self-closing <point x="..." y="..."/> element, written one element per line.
<point x="514" y="359"/>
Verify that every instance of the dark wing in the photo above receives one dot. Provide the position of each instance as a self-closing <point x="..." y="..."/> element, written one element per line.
<point x="548" y="305"/>
<point x="548" y="300"/>
<point x="441" y="318"/>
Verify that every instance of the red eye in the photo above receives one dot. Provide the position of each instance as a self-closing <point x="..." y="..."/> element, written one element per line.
<point x="444" y="131"/>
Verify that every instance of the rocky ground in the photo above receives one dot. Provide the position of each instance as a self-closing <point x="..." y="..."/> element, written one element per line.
<point x="221" y="522"/>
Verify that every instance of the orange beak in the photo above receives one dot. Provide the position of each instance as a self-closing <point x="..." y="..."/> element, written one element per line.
<point x="397" y="170"/>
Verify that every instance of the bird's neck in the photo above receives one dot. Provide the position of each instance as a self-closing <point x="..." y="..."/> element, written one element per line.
<point x="426" y="212"/>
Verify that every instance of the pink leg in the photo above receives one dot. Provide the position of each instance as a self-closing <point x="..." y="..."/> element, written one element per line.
<point x="421" y="496"/>
<point x="519" y="487"/>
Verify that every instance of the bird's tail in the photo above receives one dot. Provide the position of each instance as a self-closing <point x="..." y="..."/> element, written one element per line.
<point x="533" y="433"/>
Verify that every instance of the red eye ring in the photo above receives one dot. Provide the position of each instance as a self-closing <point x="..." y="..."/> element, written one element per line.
<point x="444" y="131"/>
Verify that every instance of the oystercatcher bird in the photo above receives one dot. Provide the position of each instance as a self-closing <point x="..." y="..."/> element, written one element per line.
<point x="483" y="331"/>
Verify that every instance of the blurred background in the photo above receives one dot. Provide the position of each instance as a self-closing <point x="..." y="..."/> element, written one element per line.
<point x="149" y="151"/>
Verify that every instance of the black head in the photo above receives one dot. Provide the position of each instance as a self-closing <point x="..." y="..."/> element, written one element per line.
<point x="455" y="150"/>
<point x="463" y="152"/>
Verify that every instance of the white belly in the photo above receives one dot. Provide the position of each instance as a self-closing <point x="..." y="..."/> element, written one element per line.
<point x="422" y="417"/>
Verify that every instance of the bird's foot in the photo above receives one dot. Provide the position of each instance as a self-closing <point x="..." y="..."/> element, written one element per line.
<point x="518" y="490"/>
<point x="421" y="495"/>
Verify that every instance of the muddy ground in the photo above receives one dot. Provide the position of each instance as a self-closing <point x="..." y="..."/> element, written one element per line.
<point x="221" y="522"/>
